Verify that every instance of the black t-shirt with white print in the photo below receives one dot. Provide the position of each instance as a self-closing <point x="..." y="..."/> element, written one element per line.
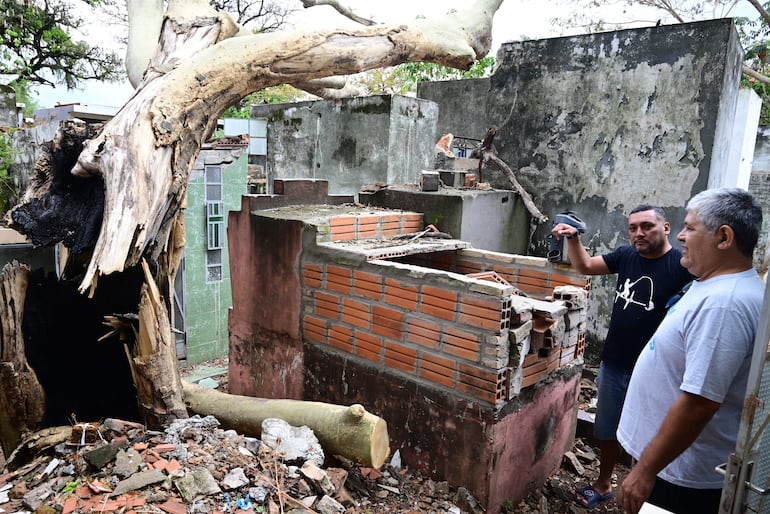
<point x="644" y="287"/>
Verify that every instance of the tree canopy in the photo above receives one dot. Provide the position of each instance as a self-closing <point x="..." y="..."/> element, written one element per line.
<point x="38" y="46"/>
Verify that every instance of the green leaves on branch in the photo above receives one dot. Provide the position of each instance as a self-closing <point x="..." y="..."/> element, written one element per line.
<point x="283" y="93"/>
<point x="403" y="79"/>
<point x="37" y="45"/>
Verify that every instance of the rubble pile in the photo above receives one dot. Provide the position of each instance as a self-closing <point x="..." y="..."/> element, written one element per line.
<point x="196" y="467"/>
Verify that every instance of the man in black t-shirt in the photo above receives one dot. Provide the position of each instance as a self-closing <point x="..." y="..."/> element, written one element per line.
<point x="649" y="274"/>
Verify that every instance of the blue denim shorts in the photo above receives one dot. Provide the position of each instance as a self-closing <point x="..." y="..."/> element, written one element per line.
<point x="612" y="384"/>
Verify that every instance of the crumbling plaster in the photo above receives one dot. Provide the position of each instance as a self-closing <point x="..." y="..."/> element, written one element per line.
<point x="322" y="140"/>
<point x="600" y="123"/>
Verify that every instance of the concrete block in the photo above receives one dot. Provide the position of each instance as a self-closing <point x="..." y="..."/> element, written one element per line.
<point x="429" y="181"/>
<point x="574" y="297"/>
<point x="452" y="178"/>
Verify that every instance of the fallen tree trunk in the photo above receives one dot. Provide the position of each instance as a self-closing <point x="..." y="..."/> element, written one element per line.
<point x="347" y="431"/>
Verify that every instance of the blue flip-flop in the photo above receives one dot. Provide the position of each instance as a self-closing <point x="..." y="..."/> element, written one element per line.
<point x="592" y="497"/>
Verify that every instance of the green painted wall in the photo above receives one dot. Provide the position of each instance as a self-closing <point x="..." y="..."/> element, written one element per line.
<point x="207" y="304"/>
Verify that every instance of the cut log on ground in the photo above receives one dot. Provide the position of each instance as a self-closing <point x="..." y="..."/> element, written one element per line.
<point x="347" y="431"/>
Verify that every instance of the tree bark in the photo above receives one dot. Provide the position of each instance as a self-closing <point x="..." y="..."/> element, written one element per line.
<point x="114" y="197"/>
<point x="22" y="401"/>
<point x="347" y="431"/>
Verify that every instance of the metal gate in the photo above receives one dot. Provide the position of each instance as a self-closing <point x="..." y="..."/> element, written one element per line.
<point x="747" y="473"/>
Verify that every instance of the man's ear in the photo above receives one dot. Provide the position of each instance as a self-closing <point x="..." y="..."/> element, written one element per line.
<point x="667" y="227"/>
<point x="726" y="237"/>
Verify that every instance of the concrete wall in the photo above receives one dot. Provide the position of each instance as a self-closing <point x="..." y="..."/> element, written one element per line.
<point x="492" y="220"/>
<point x="760" y="186"/>
<point x="600" y="123"/>
<point x="350" y="142"/>
<point x="207" y="304"/>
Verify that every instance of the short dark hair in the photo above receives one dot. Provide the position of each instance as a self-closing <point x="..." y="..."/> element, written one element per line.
<point x="659" y="212"/>
<point x="734" y="207"/>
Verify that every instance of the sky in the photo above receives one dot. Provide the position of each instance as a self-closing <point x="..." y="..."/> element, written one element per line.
<point x="516" y="19"/>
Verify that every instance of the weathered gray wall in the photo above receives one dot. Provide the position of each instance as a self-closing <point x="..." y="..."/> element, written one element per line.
<point x="350" y="142"/>
<point x="463" y="110"/>
<point x="759" y="185"/>
<point x="602" y="122"/>
<point x="8" y="116"/>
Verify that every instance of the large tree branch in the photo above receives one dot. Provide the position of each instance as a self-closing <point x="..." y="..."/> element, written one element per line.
<point x="145" y="18"/>
<point x="761" y="10"/>
<point x="343" y="10"/>
<point x="145" y="153"/>
<point x="755" y="74"/>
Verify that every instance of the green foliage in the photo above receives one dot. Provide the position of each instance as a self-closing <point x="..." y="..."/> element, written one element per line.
<point x="403" y="79"/>
<point x="755" y="36"/>
<point x="24" y="95"/>
<point x="37" y="46"/>
<point x="507" y="506"/>
<point x="8" y="190"/>
<point x="70" y="487"/>
<point x="283" y="93"/>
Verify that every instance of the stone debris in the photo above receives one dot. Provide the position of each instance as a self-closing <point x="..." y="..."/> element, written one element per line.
<point x="196" y="467"/>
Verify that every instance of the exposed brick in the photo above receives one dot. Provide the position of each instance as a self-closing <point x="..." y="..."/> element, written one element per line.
<point x="439" y="297"/>
<point x="314" y="329"/>
<point x="438" y="312"/>
<point x="326" y="305"/>
<point x="368" y="219"/>
<point x="394" y="226"/>
<point x="484" y="324"/>
<point x="410" y="227"/>
<point x="368" y="346"/>
<point x="437" y="364"/>
<point x="400" y="289"/>
<point x="467" y="267"/>
<point x="356" y="313"/>
<point x="339" y="279"/>
<point x="485" y="384"/>
<point x="423" y="332"/>
<point x="368" y="231"/>
<point x="437" y="369"/>
<point x="506" y="273"/>
<point x="438" y="378"/>
<point x="341" y="337"/>
<point x="368" y="285"/>
<point x="567" y="280"/>
<point x="312" y="275"/>
<point x="401" y="357"/>
<point x="336" y="221"/>
<point x="391" y="217"/>
<point x="482" y="306"/>
<point x="388" y="322"/>
<point x="477" y="392"/>
<point x="342" y="236"/>
<point x="461" y="347"/>
<point x="463" y="338"/>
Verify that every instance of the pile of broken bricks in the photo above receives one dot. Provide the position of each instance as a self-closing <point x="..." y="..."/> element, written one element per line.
<point x="196" y="467"/>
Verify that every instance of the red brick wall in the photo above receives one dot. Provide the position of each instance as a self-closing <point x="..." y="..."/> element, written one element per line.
<point x="446" y="329"/>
